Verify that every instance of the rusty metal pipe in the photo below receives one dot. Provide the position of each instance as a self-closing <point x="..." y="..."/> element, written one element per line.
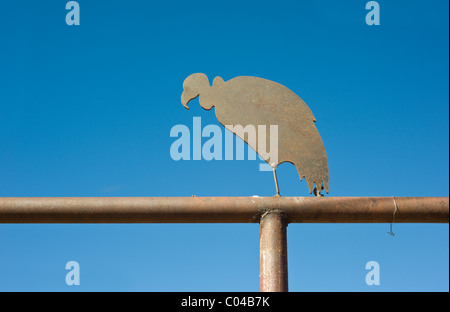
<point x="273" y="252"/>
<point x="222" y="209"/>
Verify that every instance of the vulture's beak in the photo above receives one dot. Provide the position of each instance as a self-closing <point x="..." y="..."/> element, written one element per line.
<point x="184" y="100"/>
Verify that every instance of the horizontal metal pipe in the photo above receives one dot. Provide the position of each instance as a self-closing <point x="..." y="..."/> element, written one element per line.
<point x="222" y="209"/>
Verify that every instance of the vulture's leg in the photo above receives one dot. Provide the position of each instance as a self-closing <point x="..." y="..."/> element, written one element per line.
<point x="276" y="182"/>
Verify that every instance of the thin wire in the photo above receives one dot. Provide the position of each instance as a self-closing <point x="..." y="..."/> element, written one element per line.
<point x="393" y="217"/>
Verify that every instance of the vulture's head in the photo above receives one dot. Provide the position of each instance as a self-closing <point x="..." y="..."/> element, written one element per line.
<point x="193" y="86"/>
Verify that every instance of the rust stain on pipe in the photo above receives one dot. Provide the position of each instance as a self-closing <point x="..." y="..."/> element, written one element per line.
<point x="221" y="209"/>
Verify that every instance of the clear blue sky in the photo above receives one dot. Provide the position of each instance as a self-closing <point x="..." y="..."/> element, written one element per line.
<point x="87" y="110"/>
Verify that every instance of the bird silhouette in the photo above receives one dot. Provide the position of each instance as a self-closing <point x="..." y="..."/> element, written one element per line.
<point x="256" y="101"/>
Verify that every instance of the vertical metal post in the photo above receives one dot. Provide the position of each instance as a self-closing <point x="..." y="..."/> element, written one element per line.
<point x="273" y="252"/>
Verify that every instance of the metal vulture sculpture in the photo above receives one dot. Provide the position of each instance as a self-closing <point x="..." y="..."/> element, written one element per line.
<point x="259" y="102"/>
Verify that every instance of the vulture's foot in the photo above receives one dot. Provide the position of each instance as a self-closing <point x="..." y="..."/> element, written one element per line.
<point x="317" y="193"/>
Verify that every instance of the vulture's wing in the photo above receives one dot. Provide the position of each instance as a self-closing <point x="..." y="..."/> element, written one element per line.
<point x="252" y="102"/>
